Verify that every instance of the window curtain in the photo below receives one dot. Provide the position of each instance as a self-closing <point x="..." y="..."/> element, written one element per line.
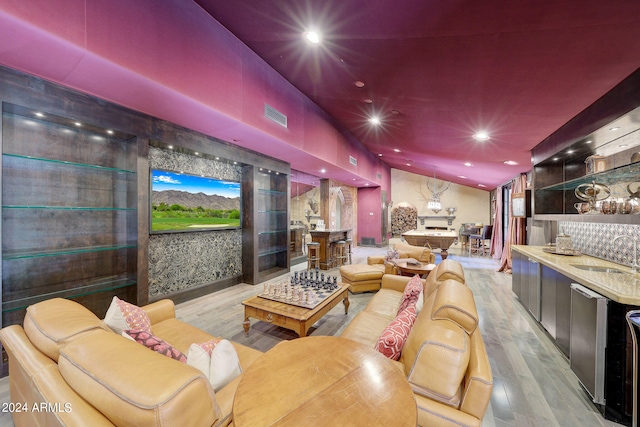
<point x="516" y="233"/>
<point x="496" y="237"/>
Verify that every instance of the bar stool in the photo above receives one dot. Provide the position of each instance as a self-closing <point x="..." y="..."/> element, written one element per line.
<point x="313" y="255"/>
<point x="347" y="248"/>
<point x="340" y="256"/>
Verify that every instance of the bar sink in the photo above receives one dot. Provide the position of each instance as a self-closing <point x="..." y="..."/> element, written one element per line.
<point x="598" y="269"/>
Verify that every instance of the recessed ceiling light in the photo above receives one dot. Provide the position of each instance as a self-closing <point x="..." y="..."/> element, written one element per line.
<point x="368" y="101"/>
<point x="555" y="159"/>
<point x="396" y="150"/>
<point x="462" y="176"/>
<point x="468" y="164"/>
<point x="217" y="158"/>
<point x="481" y="185"/>
<point x="366" y="184"/>
<point x="235" y="163"/>
<point x="170" y="147"/>
<point x="623" y="145"/>
<point x="374" y="120"/>
<point x="396" y="112"/>
<point x="323" y="171"/>
<point x="481" y="136"/>
<point x="588" y="141"/>
<point x="196" y="153"/>
<point x="110" y="132"/>
<point x="312" y="36"/>
<point x="510" y="162"/>
<point x="359" y="84"/>
<point x="570" y="151"/>
<point x="408" y="164"/>
<point x="78" y="124"/>
<point x="39" y="114"/>
<point x="614" y="128"/>
<point x="379" y="154"/>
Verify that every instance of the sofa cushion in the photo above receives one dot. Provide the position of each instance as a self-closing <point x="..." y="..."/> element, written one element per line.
<point x="134" y="386"/>
<point x="217" y="359"/>
<point x="122" y="315"/>
<point x="447" y="269"/>
<point x="365" y="328"/>
<point x="411" y="293"/>
<point x="436" y="356"/>
<point x="394" y="336"/>
<point x="422" y="254"/>
<point x="156" y="344"/>
<point x="385" y="303"/>
<point x="454" y="301"/>
<point x="52" y="323"/>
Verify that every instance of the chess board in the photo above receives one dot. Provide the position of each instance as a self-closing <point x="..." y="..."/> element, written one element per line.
<point x="319" y="296"/>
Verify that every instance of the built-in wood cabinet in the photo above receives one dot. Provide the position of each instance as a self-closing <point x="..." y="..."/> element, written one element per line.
<point x="69" y="211"/>
<point x="265" y="224"/>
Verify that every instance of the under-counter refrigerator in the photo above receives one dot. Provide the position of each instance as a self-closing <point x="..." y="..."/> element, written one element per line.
<point x="588" y="339"/>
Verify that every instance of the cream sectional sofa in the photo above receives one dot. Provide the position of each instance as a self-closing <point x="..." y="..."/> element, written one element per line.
<point x="444" y="357"/>
<point x="89" y="376"/>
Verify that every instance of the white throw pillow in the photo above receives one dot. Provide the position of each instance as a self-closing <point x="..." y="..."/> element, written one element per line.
<point x="122" y="315"/>
<point x="420" y="302"/>
<point x="221" y="367"/>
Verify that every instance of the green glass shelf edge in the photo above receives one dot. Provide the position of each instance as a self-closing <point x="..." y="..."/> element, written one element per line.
<point x="273" y="212"/>
<point x="273" y="251"/>
<point x="64" y="162"/>
<point x="6" y="256"/>
<point x="630" y="172"/>
<point x="94" y="288"/>
<point x="272" y="232"/>
<point x="68" y="208"/>
<point x="273" y="192"/>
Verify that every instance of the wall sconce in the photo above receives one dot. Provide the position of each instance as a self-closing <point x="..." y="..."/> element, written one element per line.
<point x="307" y="215"/>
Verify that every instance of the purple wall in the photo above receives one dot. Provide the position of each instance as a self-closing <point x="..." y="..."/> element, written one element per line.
<point x="173" y="61"/>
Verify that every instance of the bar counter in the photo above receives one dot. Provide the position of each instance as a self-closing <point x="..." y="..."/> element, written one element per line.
<point x="325" y="238"/>
<point x="622" y="288"/>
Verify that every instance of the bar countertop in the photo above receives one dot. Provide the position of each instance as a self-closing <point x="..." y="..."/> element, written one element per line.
<point x="623" y="288"/>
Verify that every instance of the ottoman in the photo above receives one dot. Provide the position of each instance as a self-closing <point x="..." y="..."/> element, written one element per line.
<point x="362" y="277"/>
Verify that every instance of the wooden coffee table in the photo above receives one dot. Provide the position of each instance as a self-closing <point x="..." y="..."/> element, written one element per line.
<point x="411" y="267"/>
<point x="323" y="381"/>
<point x="297" y="319"/>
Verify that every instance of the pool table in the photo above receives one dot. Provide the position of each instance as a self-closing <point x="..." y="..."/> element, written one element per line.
<point x="432" y="238"/>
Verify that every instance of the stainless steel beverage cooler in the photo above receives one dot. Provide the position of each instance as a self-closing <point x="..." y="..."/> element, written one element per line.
<point x="633" y="319"/>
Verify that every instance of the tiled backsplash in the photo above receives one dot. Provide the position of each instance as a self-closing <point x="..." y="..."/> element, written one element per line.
<point x="596" y="239"/>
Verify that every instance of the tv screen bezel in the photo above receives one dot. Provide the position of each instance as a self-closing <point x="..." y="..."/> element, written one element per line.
<point x="194" y="230"/>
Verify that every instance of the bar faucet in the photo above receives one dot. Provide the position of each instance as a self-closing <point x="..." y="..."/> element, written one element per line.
<point x="634" y="264"/>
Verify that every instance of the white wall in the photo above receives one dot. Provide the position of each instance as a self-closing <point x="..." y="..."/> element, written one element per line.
<point x="473" y="205"/>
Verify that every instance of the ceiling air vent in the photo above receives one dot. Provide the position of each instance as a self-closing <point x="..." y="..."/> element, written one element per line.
<point x="353" y="161"/>
<point x="275" y="115"/>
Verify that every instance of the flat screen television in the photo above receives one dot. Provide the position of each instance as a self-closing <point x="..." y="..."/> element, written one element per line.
<point x="182" y="202"/>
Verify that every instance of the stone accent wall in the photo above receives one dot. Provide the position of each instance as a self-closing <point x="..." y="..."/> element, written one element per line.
<point x="182" y="261"/>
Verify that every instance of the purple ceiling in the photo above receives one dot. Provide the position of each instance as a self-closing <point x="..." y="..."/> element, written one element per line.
<point x="438" y="71"/>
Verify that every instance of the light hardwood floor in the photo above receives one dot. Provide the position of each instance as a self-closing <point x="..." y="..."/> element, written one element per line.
<point x="533" y="385"/>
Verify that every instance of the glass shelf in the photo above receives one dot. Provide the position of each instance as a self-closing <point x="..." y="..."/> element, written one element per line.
<point x="103" y="284"/>
<point x="10" y="255"/>
<point x="271" y="232"/>
<point x="626" y="173"/>
<point x="66" y="163"/>
<point x="69" y="208"/>
<point x="271" y="192"/>
<point x="273" y="250"/>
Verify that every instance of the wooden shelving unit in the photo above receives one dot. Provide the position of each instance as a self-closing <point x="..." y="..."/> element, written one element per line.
<point x="69" y="212"/>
